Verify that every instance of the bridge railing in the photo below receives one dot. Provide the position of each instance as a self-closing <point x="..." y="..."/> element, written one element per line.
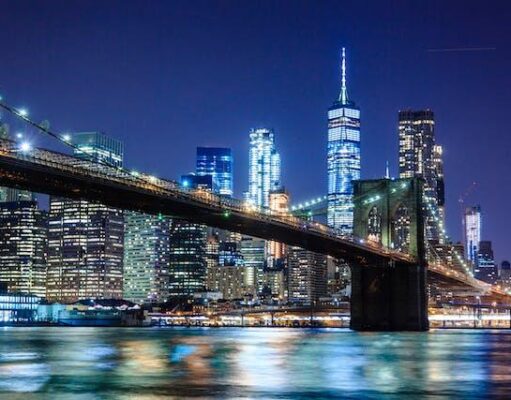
<point x="80" y="167"/>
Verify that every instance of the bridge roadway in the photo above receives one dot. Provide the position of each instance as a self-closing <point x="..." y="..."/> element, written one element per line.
<point x="54" y="173"/>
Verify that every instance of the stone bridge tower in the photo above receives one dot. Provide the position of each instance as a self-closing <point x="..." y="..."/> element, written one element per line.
<point x="387" y="294"/>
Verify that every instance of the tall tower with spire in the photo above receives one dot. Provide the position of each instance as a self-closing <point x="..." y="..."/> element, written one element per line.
<point x="343" y="156"/>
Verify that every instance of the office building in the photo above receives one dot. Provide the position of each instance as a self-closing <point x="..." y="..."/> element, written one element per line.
<point x="189" y="248"/>
<point x="486" y="269"/>
<point x="254" y="260"/>
<point x="228" y="280"/>
<point x="419" y="156"/>
<point x="98" y="147"/>
<point x="343" y="156"/>
<point x="279" y="205"/>
<point x="505" y="274"/>
<point x="264" y="167"/>
<point x="146" y="258"/>
<point x="23" y="232"/>
<point x="86" y="239"/>
<point x="187" y="272"/>
<point x="307" y="276"/>
<point x="217" y="162"/>
<point x="472" y="224"/>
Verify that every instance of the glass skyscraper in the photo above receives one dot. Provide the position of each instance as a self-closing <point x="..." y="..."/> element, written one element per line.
<point x="97" y="146"/>
<point x="472" y="226"/>
<point x="343" y="156"/>
<point x="217" y="162"/>
<point x="188" y="247"/>
<point x="86" y="239"/>
<point x="264" y="167"/>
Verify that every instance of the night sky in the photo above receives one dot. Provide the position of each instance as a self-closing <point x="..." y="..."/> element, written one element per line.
<point x="168" y="76"/>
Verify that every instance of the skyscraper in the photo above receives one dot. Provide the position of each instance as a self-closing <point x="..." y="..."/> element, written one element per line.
<point x="486" y="269"/>
<point x="264" y="167"/>
<point x="217" y="162"/>
<point x="22" y="247"/>
<point x="146" y="258"/>
<point x="187" y="265"/>
<point x="343" y="156"/>
<point x="440" y="184"/>
<point x="86" y="239"/>
<point x="188" y="247"/>
<point x="472" y="225"/>
<point x="263" y="178"/>
<point x="419" y="156"/>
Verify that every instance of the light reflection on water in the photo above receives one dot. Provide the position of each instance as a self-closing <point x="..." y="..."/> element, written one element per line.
<point x="154" y="363"/>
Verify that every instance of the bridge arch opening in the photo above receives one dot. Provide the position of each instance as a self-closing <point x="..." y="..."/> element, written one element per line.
<point x="374" y="225"/>
<point x="400" y="228"/>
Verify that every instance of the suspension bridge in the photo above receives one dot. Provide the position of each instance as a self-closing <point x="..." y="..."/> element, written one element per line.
<point x="386" y="275"/>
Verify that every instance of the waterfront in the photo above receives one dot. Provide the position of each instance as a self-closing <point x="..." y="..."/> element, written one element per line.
<point x="153" y="363"/>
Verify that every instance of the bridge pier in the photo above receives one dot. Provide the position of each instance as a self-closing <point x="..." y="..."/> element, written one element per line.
<point x="389" y="296"/>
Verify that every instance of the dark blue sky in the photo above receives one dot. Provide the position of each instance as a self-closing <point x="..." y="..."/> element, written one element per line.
<point x="167" y="76"/>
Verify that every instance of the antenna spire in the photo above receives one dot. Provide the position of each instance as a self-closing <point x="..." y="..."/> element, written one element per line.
<point x="343" y="96"/>
<point x="387" y="171"/>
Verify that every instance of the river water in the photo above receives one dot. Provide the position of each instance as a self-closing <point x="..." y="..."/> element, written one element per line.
<point x="260" y="363"/>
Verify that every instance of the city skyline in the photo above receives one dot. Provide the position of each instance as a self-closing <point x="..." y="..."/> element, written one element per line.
<point x="458" y="149"/>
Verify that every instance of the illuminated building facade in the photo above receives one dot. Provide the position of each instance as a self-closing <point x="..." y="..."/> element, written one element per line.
<point x="343" y="157"/>
<point x="22" y="247"/>
<point x="16" y="307"/>
<point x="146" y="258"/>
<point x="228" y="280"/>
<point x="307" y="276"/>
<point x="253" y="253"/>
<point x="264" y="167"/>
<point x="189" y="247"/>
<point x="187" y="271"/>
<point x="98" y="147"/>
<point x="472" y="225"/>
<point x="86" y="239"/>
<point x="217" y="162"/>
<point x="263" y="178"/>
<point x="419" y="156"/>
<point x="486" y="270"/>
<point x="279" y="204"/>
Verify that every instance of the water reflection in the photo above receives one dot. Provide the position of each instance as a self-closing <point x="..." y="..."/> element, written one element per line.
<point x="251" y="363"/>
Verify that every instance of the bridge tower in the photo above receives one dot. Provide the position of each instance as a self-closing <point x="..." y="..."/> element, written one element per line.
<point x="389" y="295"/>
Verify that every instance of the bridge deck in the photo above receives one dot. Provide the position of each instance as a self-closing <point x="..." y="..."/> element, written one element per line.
<point x="59" y="174"/>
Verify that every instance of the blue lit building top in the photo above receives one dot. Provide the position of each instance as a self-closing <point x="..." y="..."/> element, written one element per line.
<point x="217" y="162"/>
<point x="97" y="146"/>
<point x="343" y="157"/>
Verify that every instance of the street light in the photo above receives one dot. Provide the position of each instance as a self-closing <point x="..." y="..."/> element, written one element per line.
<point x="25" y="147"/>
